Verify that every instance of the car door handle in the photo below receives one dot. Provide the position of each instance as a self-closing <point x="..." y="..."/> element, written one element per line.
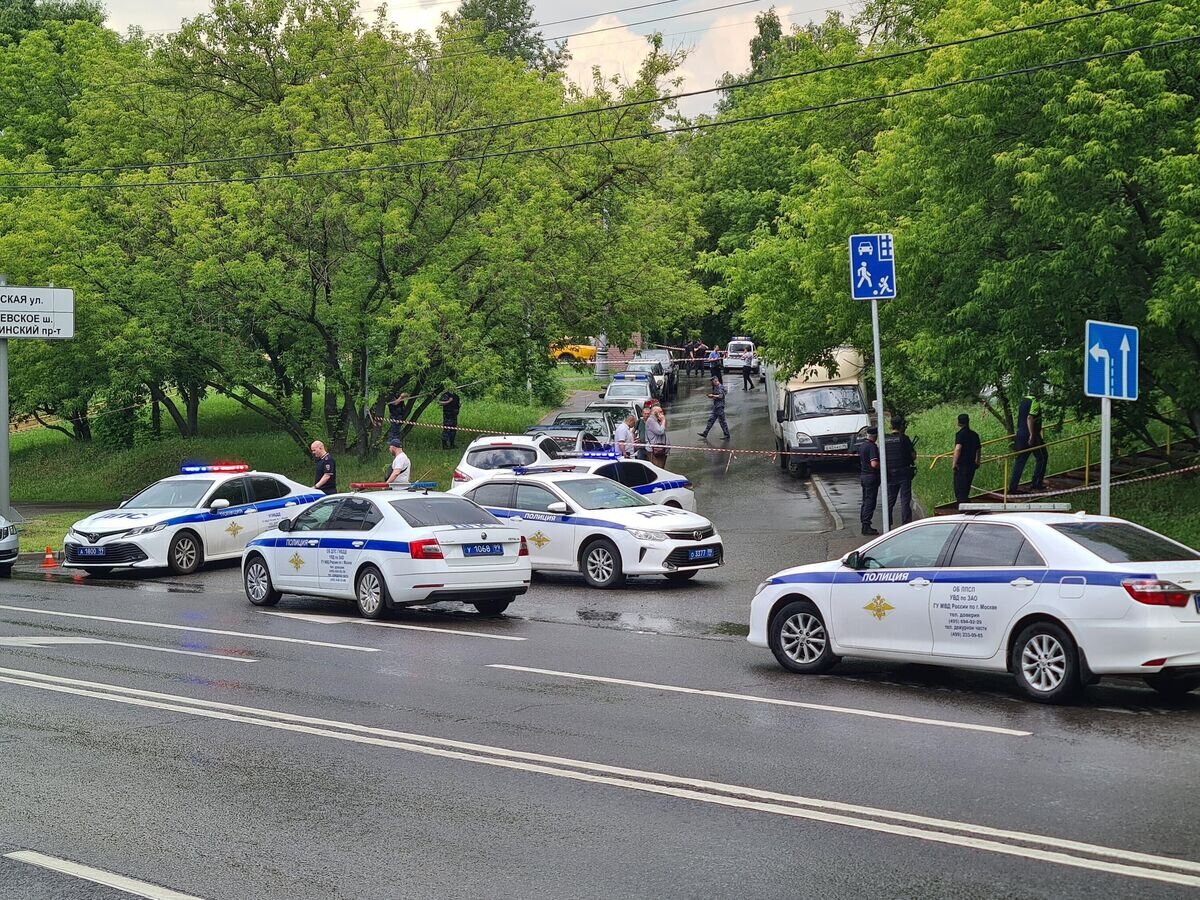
<point x="1022" y="582"/>
<point x="655" y="490"/>
<point x="358" y="544"/>
<point x="920" y="582"/>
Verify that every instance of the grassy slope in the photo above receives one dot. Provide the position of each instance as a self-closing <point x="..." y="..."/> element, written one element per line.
<point x="1169" y="505"/>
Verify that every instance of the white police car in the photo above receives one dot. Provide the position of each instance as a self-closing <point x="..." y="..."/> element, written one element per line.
<point x="1058" y="600"/>
<point x="8" y="546"/>
<point x="740" y="353"/>
<point x="576" y="522"/>
<point x="634" y="387"/>
<point x="390" y="549"/>
<point x="486" y="454"/>
<point x="204" y="513"/>
<point x="655" y="484"/>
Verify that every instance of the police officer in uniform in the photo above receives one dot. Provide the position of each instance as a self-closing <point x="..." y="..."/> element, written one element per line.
<point x="325" y="479"/>
<point x="868" y="477"/>
<point x="716" y="393"/>
<point x="968" y="454"/>
<point x="901" y="469"/>
<point x="1029" y="440"/>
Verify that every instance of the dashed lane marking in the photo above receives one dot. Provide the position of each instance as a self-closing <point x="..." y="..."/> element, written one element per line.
<point x="97" y="876"/>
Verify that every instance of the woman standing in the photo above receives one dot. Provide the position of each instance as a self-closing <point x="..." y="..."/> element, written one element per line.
<point x="656" y="436"/>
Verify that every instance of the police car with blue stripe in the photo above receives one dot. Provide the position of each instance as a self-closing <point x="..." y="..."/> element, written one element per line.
<point x="655" y="484"/>
<point x="390" y="549"/>
<point x="203" y="513"/>
<point x="577" y="522"/>
<point x="1059" y="600"/>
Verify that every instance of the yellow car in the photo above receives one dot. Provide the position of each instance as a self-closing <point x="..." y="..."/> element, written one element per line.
<point x="573" y="353"/>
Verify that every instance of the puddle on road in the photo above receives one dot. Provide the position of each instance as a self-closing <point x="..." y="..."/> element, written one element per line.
<point x="656" y="624"/>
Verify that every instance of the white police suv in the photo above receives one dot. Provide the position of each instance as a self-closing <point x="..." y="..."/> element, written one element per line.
<point x="389" y="549"/>
<point x="1057" y="599"/>
<point x="655" y="484"/>
<point x="740" y="353"/>
<point x="204" y="513"/>
<point x="576" y="522"/>
<point x="8" y="546"/>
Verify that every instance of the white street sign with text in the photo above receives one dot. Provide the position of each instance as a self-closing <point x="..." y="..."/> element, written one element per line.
<point x="38" y="313"/>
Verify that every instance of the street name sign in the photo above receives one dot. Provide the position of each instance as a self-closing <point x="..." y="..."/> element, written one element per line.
<point x="872" y="267"/>
<point x="45" y="314"/>
<point x="1110" y="361"/>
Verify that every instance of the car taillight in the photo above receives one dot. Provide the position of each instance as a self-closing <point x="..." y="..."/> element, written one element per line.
<point x="426" y="549"/>
<point x="1155" y="592"/>
<point x="524" y="551"/>
<point x="460" y="478"/>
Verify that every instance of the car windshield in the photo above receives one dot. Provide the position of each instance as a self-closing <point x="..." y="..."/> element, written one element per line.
<point x="501" y="457"/>
<point x="740" y="347"/>
<point x="633" y="391"/>
<point x="844" y="400"/>
<point x="1120" y="542"/>
<point x="641" y="366"/>
<point x="169" y="494"/>
<point x="585" y="423"/>
<point x="600" y="493"/>
<point x="421" y="512"/>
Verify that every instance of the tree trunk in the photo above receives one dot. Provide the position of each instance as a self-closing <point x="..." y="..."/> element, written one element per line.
<point x="306" y="402"/>
<point x="155" y="415"/>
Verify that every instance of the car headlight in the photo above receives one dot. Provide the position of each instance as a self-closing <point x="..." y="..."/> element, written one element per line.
<point x="862" y="433"/>
<point x="803" y="439"/>
<point x="647" y="535"/>
<point x="758" y="590"/>
<point x="146" y="529"/>
<point x="6" y="531"/>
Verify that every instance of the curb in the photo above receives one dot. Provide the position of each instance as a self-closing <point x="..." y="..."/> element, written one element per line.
<point x="827" y="502"/>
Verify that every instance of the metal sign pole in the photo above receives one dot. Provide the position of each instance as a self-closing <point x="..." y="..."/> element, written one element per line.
<point x="5" y="495"/>
<point x="883" y="483"/>
<point x="1105" y="454"/>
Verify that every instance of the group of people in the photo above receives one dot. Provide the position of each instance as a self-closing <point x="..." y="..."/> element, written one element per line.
<point x="901" y="470"/>
<point x="699" y="357"/>
<point x="644" y="437"/>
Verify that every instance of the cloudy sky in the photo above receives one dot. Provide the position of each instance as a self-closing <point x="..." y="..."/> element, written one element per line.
<point x="718" y="41"/>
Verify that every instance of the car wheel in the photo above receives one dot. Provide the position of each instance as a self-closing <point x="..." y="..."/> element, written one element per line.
<point x="186" y="554"/>
<point x="602" y="564"/>
<point x="1173" y="686"/>
<point x="256" y="579"/>
<point x="568" y="358"/>
<point x="492" y="607"/>
<point x="674" y="504"/>
<point x="798" y="638"/>
<point x="783" y="458"/>
<point x="1046" y="663"/>
<point x="370" y="593"/>
<point x="676" y="577"/>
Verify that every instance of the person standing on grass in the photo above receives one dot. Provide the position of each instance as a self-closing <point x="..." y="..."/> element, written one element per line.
<point x="656" y="436"/>
<point x="450" y="405"/>
<point x="901" y="469"/>
<point x="968" y="453"/>
<point x="394" y="422"/>
<point x="400" y="471"/>
<point x="716" y="393"/>
<point x="326" y="474"/>
<point x="868" y="477"/>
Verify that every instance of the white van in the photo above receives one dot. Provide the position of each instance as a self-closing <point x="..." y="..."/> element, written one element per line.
<point x="740" y="353"/>
<point x="819" y="412"/>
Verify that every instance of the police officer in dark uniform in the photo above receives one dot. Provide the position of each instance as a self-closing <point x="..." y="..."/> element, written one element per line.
<point x="868" y="477"/>
<point x="325" y="479"/>
<point x="450" y="405"/>
<point x="1029" y="440"/>
<point x="901" y="469"/>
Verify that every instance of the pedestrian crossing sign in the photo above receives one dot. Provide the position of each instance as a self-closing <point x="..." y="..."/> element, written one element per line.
<point x="872" y="267"/>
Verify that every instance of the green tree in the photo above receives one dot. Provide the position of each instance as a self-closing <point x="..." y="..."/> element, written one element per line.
<point x="509" y="26"/>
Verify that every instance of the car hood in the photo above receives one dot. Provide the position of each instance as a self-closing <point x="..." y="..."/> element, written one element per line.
<point x="650" y="518"/>
<point x="114" y="520"/>
<point x="796" y="572"/>
<point x="820" y="426"/>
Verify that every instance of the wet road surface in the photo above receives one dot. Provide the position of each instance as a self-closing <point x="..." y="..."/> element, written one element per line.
<point x="165" y="731"/>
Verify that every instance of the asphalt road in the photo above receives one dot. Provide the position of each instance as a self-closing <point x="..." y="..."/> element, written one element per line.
<point x="165" y="731"/>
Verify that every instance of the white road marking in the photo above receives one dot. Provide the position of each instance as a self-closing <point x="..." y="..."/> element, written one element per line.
<point x="774" y="701"/>
<point x="42" y="641"/>
<point x="348" y="620"/>
<point x="1061" y="851"/>
<point x="241" y="634"/>
<point x="98" y="876"/>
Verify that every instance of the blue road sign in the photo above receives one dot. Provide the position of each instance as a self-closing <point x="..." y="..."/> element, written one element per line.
<point x="872" y="267"/>
<point x="1110" y="361"/>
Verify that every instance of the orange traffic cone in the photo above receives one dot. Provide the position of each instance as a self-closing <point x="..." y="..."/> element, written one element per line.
<point x="49" y="562"/>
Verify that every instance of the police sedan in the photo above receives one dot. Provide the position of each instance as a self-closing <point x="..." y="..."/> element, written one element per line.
<point x="390" y="549"/>
<point x="203" y="513"/>
<point x="1059" y="600"/>
<point x="576" y="522"/>
<point x="655" y="484"/>
<point x="8" y="546"/>
<point x="504" y="451"/>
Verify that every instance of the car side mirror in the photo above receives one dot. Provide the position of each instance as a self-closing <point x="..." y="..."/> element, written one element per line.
<point x="219" y="503"/>
<point x="557" y="507"/>
<point x="284" y="525"/>
<point x="779" y="415"/>
<point x="852" y="560"/>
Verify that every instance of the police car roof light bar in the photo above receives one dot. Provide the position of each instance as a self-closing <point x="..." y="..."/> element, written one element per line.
<point x="594" y="454"/>
<point x="541" y="470"/>
<point x="1014" y="507"/>
<point x="222" y="469"/>
<point x="369" y="486"/>
<point x="425" y="486"/>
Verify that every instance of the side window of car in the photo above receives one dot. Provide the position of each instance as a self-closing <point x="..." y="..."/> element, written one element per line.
<point x="984" y="545"/>
<point x="917" y="548"/>
<point x="496" y="496"/>
<point x="233" y="490"/>
<point x="1029" y="558"/>
<point x="550" y="448"/>
<point x="316" y="517"/>
<point x="609" y="471"/>
<point x="266" y="488"/>
<point x="635" y="474"/>
<point x="533" y="498"/>
<point x="351" y="515"/>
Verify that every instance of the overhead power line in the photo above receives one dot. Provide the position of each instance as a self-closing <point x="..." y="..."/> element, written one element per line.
<point x="552" y="117"/>
<point x="645" y="135"/>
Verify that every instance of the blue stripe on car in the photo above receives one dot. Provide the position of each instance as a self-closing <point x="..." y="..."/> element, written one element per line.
<point x="552" y="518"/>
<point x="963" y="576"/>
<point x="231" y="511"/>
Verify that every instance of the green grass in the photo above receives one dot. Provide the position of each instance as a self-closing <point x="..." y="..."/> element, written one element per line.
<point x="45" y="531"/>
<point x="50" y="467"/>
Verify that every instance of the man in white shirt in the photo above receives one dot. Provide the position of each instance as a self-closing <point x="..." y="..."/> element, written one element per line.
<point x="625" y="436"/>
<point x="401" y="465"/>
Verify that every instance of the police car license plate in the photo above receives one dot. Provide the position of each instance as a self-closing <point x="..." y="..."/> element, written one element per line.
<point x="702" y="553"/>
<point x="92" y="551"/>
<point x="483" y="550"/>
<point x="837" y="446"/>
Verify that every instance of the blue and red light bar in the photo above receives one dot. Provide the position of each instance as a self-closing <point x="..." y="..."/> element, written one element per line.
<point x="219" y="469"/>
